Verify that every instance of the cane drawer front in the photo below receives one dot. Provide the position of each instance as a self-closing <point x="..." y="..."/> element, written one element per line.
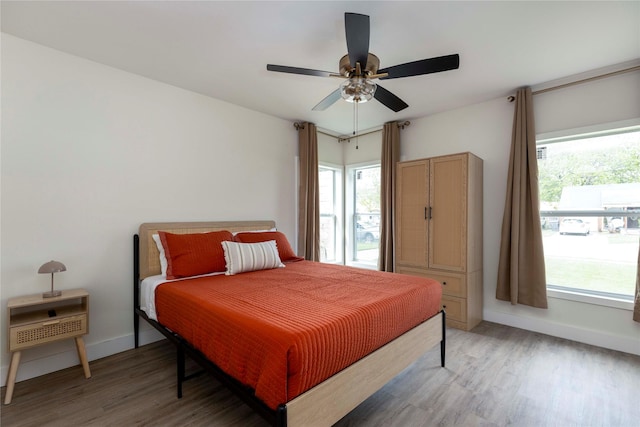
<point x="456" y="308"/>
<point x="42" y="332"/>
<point x="452" y="284"/>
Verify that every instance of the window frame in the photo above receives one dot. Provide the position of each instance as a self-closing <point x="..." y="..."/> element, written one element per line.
<point x="338" y="203"/>
<point x="350" y="244"/>
<point x="577" y="294"/>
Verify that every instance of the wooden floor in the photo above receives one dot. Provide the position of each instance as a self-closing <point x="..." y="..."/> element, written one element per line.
<point x="495" y="375"/>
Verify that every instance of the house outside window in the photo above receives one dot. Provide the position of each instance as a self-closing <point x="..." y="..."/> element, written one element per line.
<point x="590" y="211"/>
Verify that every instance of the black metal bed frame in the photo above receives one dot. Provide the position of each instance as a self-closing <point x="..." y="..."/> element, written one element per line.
<point x="276" y="417"/>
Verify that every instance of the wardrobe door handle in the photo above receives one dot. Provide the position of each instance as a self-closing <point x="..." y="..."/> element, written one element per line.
<point x="430" y="212"/>
<point x="425" y="212"/>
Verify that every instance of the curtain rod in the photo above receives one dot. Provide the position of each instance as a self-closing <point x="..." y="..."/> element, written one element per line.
<point x="348" y="138"/>
<point x="324" y="133"/>
<point x="511" y="98"/>
<point x="300" y="125"/>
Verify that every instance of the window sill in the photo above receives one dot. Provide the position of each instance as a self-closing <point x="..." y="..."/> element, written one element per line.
<point x="365" y="265"/>
<point x="619" y="303"/>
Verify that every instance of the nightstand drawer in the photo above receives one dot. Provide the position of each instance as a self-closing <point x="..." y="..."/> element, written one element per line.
<point x="45" y="331"/>
<point x="456" y="308"/>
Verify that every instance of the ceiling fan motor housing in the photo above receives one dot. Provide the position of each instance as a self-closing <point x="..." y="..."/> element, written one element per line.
<point x="373" y="63"/>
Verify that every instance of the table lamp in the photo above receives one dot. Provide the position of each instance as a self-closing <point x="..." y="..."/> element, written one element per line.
<point x="52" y="267"/>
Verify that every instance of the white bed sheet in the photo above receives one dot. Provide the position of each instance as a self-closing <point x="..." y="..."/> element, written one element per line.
<point x="148" y="292"/>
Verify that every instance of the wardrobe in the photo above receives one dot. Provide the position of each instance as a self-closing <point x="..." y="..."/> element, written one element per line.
<point x="439" y="230"/>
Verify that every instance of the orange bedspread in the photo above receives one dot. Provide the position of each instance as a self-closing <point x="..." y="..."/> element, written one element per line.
<point x="283" y="331"/>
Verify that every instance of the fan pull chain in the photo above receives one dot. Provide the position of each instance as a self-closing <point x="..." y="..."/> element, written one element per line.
<point x="355" y="121"/>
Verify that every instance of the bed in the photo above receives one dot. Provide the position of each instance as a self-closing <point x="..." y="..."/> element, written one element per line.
<point x="254" y="330"/>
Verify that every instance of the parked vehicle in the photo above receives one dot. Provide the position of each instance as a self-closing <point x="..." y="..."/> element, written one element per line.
<point x="574" y="226"/>
<point x="615" y="225"/>
<point x="550" y="223"/>
<point x="367" y="234"/>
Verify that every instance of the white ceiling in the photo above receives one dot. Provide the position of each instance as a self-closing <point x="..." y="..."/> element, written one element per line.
<point x="221" y="49"/>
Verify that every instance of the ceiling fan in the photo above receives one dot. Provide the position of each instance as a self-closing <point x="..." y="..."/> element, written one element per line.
<point x="360" y="67"/>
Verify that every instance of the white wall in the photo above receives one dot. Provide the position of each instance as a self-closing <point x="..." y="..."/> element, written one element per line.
<point x="366" y="148"/>
<point x="329" y="150"/>
<point x="90" y="152"/>
<point x="606" y="100"/>
<point x="485" y="129"/>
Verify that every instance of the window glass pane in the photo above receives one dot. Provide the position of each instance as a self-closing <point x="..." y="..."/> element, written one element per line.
<point x="366" y="218"/>
<point x="583" y="254"/>
<point x="590" y="207"/>
<point x="329" y="182"/>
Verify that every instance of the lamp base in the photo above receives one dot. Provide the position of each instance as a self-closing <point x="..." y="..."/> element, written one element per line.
<point x="51" y="294"/>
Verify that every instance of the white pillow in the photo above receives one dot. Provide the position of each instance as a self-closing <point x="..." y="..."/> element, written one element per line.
<point x="163" y="258"/>
<point x="243" y="257"/>
<point x="254" y="231"/>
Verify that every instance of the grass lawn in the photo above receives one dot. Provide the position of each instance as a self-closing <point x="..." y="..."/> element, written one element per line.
<point x="363" y="246"/>
<point x="619" y="278"/>
<point x="601" y="262"/>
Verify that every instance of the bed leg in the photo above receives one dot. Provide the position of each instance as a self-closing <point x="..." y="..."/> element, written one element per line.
<point x="281" y="416"/>
<point x="180" y="369"/>
<point x="444" y="338"/>
<point x="136" y="327"/>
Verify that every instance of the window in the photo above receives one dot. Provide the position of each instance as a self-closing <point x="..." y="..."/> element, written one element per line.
<point x="350" y="234"/>
<point x="363" y="213"/>
<point x="590" y="211"/>
<point x="330" y="186"/>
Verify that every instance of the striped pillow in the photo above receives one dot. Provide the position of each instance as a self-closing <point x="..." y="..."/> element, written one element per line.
<point x="284" y="247"/>
<point x="243" y="257"/>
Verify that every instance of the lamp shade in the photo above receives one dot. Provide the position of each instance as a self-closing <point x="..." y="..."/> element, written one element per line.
<point x="52" y="267"/>
<point x="357" y="89"/>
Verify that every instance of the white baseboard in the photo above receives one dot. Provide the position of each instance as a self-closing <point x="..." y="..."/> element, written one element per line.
<point x="586" y="336"/>
<point x="34" y="368"/>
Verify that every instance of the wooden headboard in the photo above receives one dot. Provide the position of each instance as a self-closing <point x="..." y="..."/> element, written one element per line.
<point x="149" y="255"/>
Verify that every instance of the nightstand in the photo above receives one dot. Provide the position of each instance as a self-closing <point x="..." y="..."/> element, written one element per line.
<point x="34" y="320"/>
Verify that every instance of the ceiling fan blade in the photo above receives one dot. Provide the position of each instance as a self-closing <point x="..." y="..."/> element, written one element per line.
<point x="296" y="70"/>
<point x="328" y="101"/>
<point x="389" y="100"/>
<point x="424" y="66"/>
<point x="356" y="27"/>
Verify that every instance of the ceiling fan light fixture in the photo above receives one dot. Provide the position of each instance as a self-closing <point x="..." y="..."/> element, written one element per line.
<point x="357" y="89"/>
<point x="361" y="67"/>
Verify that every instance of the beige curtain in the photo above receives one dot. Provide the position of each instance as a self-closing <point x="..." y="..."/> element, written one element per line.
<point x="636" y="305"/>
<point x="308" y="194"/>
<point x="521" y="270"/>
<point x="389" y="158"/>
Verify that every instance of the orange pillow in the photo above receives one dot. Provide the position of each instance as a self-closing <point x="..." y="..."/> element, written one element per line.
<point x="194" y="254"/>
<point x="284" y="248"/>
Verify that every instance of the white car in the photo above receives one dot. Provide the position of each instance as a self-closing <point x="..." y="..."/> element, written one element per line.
<point x="574" y="226"/>
<point x="367" y="234"/>
<point x="615" y="225"/>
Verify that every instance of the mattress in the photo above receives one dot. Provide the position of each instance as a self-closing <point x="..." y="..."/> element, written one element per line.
<point x="285" y="330"/>
<point x="148" y="292"/>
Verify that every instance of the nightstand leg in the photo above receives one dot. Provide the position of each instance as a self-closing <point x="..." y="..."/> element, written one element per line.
<point x="82" y="354"/>
<point x="11" y="378"/>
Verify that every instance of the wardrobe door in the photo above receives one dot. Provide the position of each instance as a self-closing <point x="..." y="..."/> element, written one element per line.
<point x="448" y="213"/>
<point x="411" y="213"/>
